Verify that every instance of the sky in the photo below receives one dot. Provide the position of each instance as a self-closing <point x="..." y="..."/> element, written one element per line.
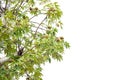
<point x="92" y="27"/>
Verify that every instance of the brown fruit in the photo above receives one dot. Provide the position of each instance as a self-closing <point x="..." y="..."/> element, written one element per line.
<point x="36" y="8"/>
<point x="61" y="38"/>
<point x="57" y="39"/>
<point x="30" y="9"/>
<point x="49" y="27"/>
<point x="57" y="25"/>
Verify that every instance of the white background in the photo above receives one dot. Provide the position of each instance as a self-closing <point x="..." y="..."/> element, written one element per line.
<point x="93" y="29"/>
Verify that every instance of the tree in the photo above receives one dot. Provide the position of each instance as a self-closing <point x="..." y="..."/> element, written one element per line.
<point x="28" y="37"/>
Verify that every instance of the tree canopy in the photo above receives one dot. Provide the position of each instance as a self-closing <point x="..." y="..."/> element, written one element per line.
<point x="28" y="37"/>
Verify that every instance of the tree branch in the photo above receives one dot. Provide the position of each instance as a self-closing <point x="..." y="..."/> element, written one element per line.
<point x="20" y="4"/>
<point x="16" y="5"/>
<point x="35" y="34"/>
<point x="39" y="26"/>
<point x="3" y="60"/>
<point x="6" y="4"/>
<point x="7" y="59"/>
<point x="1" y="8"/>
<point x="33" y="16"/>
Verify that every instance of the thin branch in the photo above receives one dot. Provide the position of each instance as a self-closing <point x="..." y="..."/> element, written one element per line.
<point x="1" y="8"/>
<point x="39" y="26"/>
<point x="6" y="4"/>
<point x="5" y="59"/>
<point x="36" y="15"/>
<point x="28" y="76"/>
<point x="20" y="4"/>
<point x="35" y="22"/>
<point x="40" y="29"/>
<point x="33" y="16"/>
<point x="29" y="49"/>
<point x="36" y="33"/>
<point x="14" y="8"/>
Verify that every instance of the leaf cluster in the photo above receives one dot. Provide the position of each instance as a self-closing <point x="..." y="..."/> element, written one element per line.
<point x="28" y="36"/>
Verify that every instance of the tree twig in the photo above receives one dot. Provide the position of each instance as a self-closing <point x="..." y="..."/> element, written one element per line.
<point x="6" y="4"/>
<point x="20" y="4"/>
<point x="33" y="16"/>
<point x="1" y="8"/>
<point x="36" y="33"/>
<point x="39" y="26"/>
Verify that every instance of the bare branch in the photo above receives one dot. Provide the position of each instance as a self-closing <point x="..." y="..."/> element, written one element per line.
<point x="36" y="15"/>
<point x="4" y="59"/>
<point x="33" y="16"/>
<point x="7" y="59"/>
<point x="20" y="5"/>
<point x="16" y="5"/>
<point x="36" y="33"/>
<point x="1" y="8"/>
<point x="6" y="4"/>
<point x="39" y="26"/>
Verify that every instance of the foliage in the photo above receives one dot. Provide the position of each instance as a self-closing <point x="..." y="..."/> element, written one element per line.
<point x="28" y="37"/>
